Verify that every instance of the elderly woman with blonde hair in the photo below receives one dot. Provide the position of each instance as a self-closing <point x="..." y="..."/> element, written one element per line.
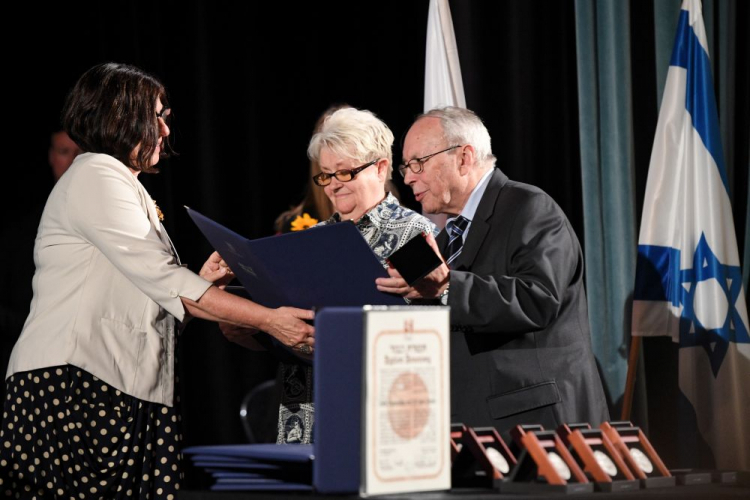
<point x="353" y="150"/>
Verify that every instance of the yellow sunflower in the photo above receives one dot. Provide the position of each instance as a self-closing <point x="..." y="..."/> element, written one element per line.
<point x="303" y="221"/>
<point x="159" y="213"/>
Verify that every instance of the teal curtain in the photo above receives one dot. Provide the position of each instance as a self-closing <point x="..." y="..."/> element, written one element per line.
<point x="606" y="136"/>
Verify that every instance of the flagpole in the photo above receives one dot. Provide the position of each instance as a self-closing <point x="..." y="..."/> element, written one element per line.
<point x="627" y="401"/>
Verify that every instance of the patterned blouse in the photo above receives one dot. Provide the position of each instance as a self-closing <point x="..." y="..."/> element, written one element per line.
<point x="386" y="228"/>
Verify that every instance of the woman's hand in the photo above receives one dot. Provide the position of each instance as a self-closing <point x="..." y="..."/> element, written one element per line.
<point x="216" y="271"/>
<point x="287" y="324"/>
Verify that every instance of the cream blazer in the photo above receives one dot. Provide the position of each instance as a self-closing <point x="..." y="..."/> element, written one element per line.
<point x="107" y="284"/>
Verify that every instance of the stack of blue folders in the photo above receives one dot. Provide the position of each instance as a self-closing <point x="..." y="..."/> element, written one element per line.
<point x="245" y="467"/>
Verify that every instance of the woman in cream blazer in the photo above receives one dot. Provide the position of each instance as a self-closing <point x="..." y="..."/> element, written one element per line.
<point x="91" y="380"/>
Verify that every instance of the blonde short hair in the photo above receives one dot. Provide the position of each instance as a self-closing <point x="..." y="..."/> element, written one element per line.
<point x="354" y="133"/>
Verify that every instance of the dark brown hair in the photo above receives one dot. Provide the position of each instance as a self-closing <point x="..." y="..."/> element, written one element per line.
<point x="112" y="109"/>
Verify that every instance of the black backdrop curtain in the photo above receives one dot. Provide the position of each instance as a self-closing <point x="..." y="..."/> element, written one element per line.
<point x="247" y="80"/>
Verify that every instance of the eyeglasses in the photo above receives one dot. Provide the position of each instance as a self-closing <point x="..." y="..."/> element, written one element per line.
<point x="417" y="164"/>
<point x="164" y="114"/>
<point x="324" y="179"/>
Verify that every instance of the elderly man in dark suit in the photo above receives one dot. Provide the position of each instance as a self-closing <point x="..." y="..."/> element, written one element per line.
<point x="513" y="277"/>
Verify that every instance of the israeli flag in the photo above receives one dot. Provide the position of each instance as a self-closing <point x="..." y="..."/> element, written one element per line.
<point x="688" y="278"/>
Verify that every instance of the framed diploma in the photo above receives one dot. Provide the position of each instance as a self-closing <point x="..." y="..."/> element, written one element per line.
<point x="406" y="405"/>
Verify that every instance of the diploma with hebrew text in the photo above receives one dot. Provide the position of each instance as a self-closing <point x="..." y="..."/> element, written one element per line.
<point x="406" y="400"/>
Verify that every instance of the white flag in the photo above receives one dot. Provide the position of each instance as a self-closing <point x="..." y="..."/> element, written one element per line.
<point x="688" y="278"/>
<point x="443" y="85"/>
<point x="442" y="76"/>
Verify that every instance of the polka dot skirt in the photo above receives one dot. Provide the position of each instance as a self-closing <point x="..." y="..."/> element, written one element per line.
<point x="66" y="434"/>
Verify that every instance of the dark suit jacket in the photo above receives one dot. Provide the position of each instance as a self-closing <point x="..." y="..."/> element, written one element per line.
<point x="520" y="343"/>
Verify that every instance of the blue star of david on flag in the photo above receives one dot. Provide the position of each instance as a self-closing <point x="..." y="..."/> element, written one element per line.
<point x="711" y="284"/>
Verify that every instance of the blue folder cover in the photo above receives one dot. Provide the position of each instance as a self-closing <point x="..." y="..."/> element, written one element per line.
<point x="224" y="474"/>
<point x="288" y="473"/>
<point x="249" y="481"/>
<point x="221" y="465"/>
<point x="320" y="267"/>
<point x="265" y="453"/>
<point x="291" y="466"/>
<point x="227" y="459"/>
<point x="261" y="487"/>
<point x="258" y="480"/>
<point x="338" y="399"/>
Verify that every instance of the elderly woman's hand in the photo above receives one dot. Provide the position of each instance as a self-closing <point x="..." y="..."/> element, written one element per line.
<point x="288" y="326"/>
<point x="216" y="271"/>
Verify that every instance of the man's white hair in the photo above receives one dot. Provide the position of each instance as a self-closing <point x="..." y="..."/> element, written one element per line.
<point x="462" y="126"/>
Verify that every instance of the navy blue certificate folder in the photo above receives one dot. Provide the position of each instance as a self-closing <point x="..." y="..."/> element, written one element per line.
<point x="256" y="466"/>
<point x="264" y="453"/>
<point x="319" y="267"/>
<point x="338" y="399"/>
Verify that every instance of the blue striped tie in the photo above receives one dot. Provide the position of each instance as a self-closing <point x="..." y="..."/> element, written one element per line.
<point x="455" y="229"/>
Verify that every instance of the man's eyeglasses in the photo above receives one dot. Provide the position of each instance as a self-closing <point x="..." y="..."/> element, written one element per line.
<point x="164" y="114"/>
<point x="417" y="164"/>
<point x="324" y="179"/>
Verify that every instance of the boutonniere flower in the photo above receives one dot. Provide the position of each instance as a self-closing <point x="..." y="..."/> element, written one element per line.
<point x="159" y="213"/>
<point x="303" y="221"/>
